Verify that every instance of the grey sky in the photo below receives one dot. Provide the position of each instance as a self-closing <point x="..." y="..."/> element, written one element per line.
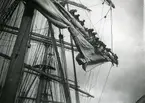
<point x="126" y="83"/>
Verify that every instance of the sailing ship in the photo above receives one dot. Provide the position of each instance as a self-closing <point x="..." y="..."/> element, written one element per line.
<point x="33" y="63"/>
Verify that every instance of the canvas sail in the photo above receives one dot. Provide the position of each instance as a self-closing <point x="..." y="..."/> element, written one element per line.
<point x="77" y="31"/>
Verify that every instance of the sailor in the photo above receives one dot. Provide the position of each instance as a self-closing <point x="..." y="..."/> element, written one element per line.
<point x="82" y="22"/>
<point x="94" y="33"/>
<point x="90" y="31"/>
<point x="102" y="45"/>
<point x="99" y="46"/>
<point x="96" y="39"/>
<point x="77" y="17"/>
<point x="108" y="49"/>
<point x="79" y="59"/>
<point x="112" y="56"/>
<point x="73" y="11"/>
<point x="116" y="58"/>
<point x="86" y="29"/>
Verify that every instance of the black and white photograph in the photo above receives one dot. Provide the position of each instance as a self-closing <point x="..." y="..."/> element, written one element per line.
<point x="72" y="51"/>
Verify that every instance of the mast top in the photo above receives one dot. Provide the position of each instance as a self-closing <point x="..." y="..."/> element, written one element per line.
<point x="110" y="3"/>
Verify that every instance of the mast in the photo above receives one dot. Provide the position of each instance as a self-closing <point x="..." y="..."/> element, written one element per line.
<point x="14" y="74"/>
<point x="43" y="82"/>
<point x="64" y="82"/>
<point x="63" y="55"/>
<point x="74" y="67"/>
<point x="75" y="74"/>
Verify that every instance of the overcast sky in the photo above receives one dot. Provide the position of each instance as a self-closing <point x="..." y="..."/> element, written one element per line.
<point x="126" y="83"/>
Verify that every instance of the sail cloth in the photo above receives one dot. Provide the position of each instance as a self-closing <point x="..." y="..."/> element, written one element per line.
<point x="87" y="55"/>
<point x="48" y="9"/>
<point x="97" y="59"/>
<point x="45" y="7"/>
<point x="61" y="18"/>
<point x="75" y="23"/>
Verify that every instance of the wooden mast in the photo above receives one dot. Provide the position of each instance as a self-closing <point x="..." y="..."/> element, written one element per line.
<point x="63" y="60"/>
<point x="75" y="74"/>
<point x="64" y="82"/>
<point x="14" y="74"/>
<point x="74" y="68"/>
<point x="42" y="81"/>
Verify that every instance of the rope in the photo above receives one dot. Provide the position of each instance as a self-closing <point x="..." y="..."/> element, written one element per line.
<point x="92" y="86"/>
<point x="7" y="40"/>
<point x="94" y="5"/>
<point x="92" y="68"/>
<point x="89" y="18"/>
<point x="101" y="16"/>
<point x="86" y="84"/>
<point x="111" y="28"/>
<point x="12" y="36"/>
<point x="103" y="24"/>
<point x="7" y="15"/>
<point x="29" y="80"/>
<point x="103" y="29"/>
<point x="99" y="69"/>
<point x="104" y="85"/>
<point x="91" y="82"/>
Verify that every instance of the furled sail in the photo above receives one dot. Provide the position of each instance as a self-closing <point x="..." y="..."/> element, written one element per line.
<point x="92" y="51"/>
<point x="72" y="19"/>
<point x="80" y="41"/>
<point x="48" y="9"/>
<point x="88" y="52"/>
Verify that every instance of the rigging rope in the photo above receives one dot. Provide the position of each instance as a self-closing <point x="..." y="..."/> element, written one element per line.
<point x="103" y="30"/>
<point x="30" y="80"/>
<point x="92" y="86"/>
<point x="105" y="84"/>
<point x="92" y="68"/>
<point x="94" y="5"/>
<point x="89" y="18"/>
<point x="99" y="69"/>
<point x="111" y="28"/>
<point x="101" y="17"/>
<point x="7" y="39"/>
<point x="12" y="36"/>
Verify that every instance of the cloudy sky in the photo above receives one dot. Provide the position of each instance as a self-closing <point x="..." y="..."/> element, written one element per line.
<point x="126" y="83"/>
